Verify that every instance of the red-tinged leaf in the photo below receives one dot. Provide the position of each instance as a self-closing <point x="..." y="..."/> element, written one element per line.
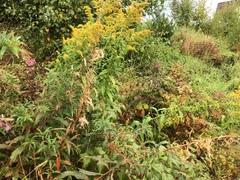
<point x="68" y="163"/>
<point x="58" y="163"/>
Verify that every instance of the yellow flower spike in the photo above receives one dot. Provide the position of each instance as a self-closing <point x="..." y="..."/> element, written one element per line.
<point x="65" y="56"/>
<point x="88" y="13"/>
<point x="57" y="60"/>
<point x="129" y="47"/>
<point x="60" y="15"/>
<point x="47" y="30"/>
<point x="80" y="53"/>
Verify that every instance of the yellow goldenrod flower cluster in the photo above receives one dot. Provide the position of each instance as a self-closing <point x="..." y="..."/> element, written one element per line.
<point x="235" y="101"/>
<point x="111" y="27"/>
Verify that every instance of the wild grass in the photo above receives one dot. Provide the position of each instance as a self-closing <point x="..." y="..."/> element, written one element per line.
<point x="205" y="47"/>
<point x="207" y="78"/>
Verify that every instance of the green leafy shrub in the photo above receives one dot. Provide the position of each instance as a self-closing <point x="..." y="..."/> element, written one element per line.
<point x="161" y="26"/>
<point x="43" y="24"/>
<point x="132" y="154"/>
<point x="225" y="24"/>
<point x="191" y="14"/>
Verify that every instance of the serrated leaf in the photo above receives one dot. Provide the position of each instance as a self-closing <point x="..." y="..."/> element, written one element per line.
<point x="16" y="152"/>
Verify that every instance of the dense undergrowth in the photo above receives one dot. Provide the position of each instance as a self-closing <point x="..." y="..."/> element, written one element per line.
<point x="119" y="103"/>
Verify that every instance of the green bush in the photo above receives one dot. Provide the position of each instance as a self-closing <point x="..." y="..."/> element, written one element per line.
<point x="226" y="24"/>
<point x="43" y="24"/>
<point x="189" y="13"/>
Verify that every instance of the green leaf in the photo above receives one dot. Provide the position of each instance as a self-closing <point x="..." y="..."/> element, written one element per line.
<point x="62" y="120"/>
<point x="145" y="106"/>
<point x="76" y="174"/>
<point x="19" y="138"/>
<point x="110" y="96"/>
<point x="16" y="152"/>
<point x="4" y="146"/>
<point x="113" y="80"/>
<point x="100" y="151"/>
<point x="161" y="122"/>
<point x="89" y="173"/>
<point x="86" y="162"/>
<point x="101" y="166"/>
<point x="15" y="51"/>
<point x="103" y="90"/>
<point x="38" y="117"/>
<point x="122" y="176"/>
<point x="2" y="51"/>
<point x="105" y="71"/>
<point x="180" y="114"/>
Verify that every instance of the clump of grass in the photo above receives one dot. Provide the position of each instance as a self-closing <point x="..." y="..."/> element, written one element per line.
<point x="199" y="46"/>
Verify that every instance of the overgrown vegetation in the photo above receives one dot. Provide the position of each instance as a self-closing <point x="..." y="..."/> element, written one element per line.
<point x="123" y="99"/>
<point x="226" y="24"/>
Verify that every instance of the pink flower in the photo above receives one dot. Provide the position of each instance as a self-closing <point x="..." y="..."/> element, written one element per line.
<point x="8" y="127"/>
<point x="30" y="62"/>
<point x="1" y="124"/>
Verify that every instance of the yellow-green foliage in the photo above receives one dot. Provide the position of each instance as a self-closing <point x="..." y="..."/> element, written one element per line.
<point x="109" y="29"/>
<point x="235" y="102"/>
